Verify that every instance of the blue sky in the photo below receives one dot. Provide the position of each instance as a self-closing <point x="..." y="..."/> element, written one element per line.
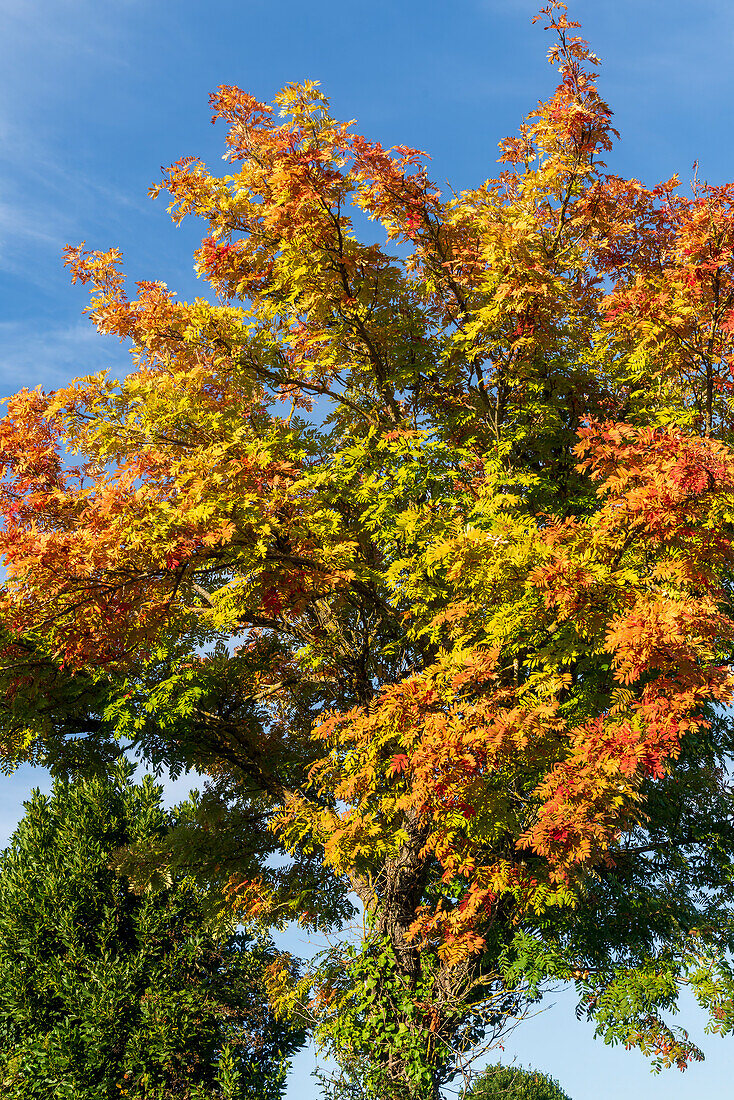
<point x="96" y="95"/>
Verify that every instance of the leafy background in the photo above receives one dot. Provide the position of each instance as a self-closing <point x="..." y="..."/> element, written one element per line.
<point x="95" y="97"/>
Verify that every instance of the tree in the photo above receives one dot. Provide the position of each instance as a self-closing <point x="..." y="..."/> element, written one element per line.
<point x="512" y="1083"/>
<point x="104" y="993"/>
<point x="425" y="558"/>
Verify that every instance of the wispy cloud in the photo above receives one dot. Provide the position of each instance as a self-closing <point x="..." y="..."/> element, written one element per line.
<point x="83" y="27"/>
<point x="51" y="190"/>
<point x="18" y="223"/>
<point x="46" y="202"/>
<point x="50" y="358"/>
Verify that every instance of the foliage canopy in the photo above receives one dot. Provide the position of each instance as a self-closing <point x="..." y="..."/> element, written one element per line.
<point x="422" y="551"/>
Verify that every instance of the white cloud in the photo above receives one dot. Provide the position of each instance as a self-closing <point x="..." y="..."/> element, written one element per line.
<point x="50" y="358"/>
<point x="47" y="195"/>
<point x="46" y="203"/>
<point x="16" y="222"/>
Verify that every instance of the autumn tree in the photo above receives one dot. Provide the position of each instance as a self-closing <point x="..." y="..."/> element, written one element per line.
<point x="104" y="993"/>
<point x="422" y="551"/>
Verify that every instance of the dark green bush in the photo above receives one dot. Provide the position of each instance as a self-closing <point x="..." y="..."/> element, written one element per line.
<point x="512" y="1083"/>
<point x="108" y="995"/>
